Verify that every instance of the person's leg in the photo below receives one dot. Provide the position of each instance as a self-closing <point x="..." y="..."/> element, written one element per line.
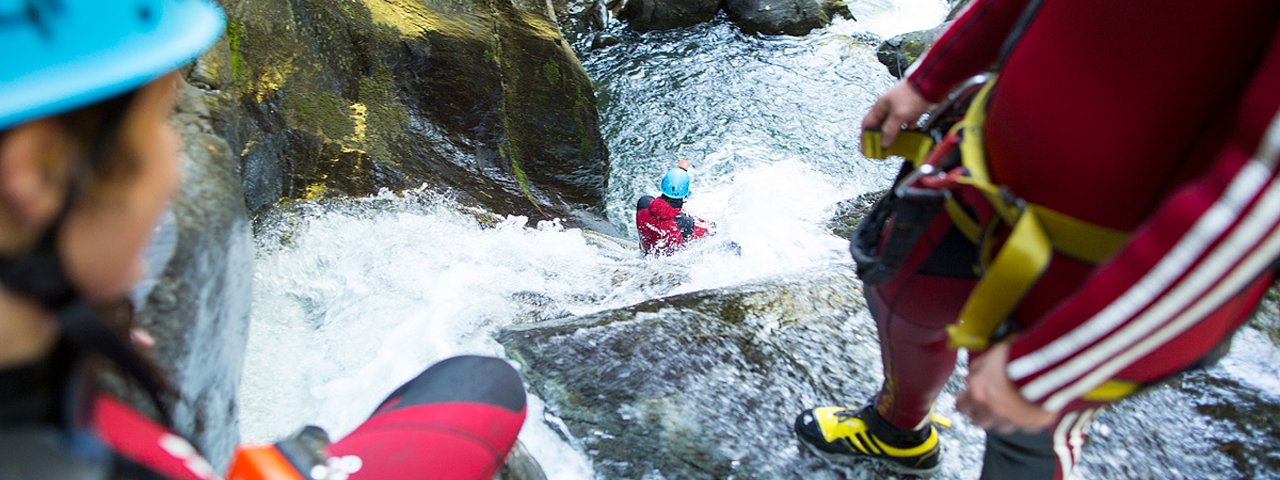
<point x="457" y="419"/>
<point x="912" y="310"/>
<point x="1052" y="453"/>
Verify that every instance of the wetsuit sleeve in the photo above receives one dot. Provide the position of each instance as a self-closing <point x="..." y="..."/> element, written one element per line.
<point x="686" y="224"/>
<point x="1185" y="281"/>
<point x="968" y="47"/>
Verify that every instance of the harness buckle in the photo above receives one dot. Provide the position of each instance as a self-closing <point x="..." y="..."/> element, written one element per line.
<point x="940" y="171"/>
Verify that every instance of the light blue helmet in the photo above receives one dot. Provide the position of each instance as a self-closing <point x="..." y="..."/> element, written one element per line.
<point x="675" y="183"/>
<point x="60" y="55"/>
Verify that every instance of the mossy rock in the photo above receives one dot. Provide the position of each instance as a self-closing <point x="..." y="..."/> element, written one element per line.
<point x="898" y="53"/>
<point x="483" y="98"/>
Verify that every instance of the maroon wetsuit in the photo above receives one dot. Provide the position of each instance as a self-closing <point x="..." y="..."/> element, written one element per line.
<point x="1156" y="118"/>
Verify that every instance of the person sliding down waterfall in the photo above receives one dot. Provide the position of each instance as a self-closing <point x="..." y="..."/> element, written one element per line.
<point x="664" y="229"/>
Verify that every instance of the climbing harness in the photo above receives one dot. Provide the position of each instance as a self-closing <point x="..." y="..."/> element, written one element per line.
<point x="1015" y="239"/>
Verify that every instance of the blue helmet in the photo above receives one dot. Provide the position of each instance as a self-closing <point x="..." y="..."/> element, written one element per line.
<point x="675" y="183"/>
<point x="65" y="54"/>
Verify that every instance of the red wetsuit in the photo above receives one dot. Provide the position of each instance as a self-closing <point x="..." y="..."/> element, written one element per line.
<point x="663" y="229"/>
<point x="1157" y="118"/>
<point x="456" y="420"/>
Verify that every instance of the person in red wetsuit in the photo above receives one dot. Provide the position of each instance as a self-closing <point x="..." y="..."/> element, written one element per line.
<point x="88" y="161"/>
<point x="1156" y="121"/>
<point x="662" y="227"/>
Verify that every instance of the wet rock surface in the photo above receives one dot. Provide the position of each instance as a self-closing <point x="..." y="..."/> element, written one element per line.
<point x="707" y="384"/>
<point x="900" y="52"/>
<point x="197" y="307"/>
<point x="783" y="17"/>
<point x="647" y="15"/>
<point x="703" y="384"/>
<point x="482" y="99"/>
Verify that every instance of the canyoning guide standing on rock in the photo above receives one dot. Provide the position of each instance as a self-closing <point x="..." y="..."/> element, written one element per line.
<point x="88" y="161"/>
<point x="1102" y="217"/>
<point x="662" y="225"/>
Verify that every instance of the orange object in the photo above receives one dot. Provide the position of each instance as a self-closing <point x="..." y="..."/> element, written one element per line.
<point x="261" y="462"/>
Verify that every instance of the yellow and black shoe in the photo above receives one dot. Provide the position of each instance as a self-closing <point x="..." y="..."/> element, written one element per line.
<point x="863" y="434"/>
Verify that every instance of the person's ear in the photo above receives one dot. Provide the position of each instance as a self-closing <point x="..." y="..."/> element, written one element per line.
<point x="33" y="172"/>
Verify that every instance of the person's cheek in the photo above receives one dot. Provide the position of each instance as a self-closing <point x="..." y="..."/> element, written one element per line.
<point x="162" y="179"/>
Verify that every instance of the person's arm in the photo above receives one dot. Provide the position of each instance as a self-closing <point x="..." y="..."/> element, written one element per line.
<point x="1184" y="280"/>
<point x="969" y="46"/>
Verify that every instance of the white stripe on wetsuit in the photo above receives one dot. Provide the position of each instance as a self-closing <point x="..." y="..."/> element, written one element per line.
<point x="1240" y="277"/>
<point x="1068" y="439"/>
<point x="1243" y="188"/>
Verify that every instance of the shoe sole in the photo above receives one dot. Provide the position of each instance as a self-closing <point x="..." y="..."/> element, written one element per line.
<point x="845" y="459"/>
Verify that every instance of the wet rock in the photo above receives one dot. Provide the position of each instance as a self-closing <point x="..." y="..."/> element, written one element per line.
<point x="601" y="40"/>
<point x="1203" y="425"/>
<point x="520" y="465"/>
<point x="898" y="53"/>
<point x="783" y="17"/>
<point x="707" y="384"/>
<point x="848" y="213"/>
<point x="649" y="15"/>
<point x="482" y="98"/>
<point x="957" y="7"/>
<point x="704" y="384"/>
<point x="197" y="306"/>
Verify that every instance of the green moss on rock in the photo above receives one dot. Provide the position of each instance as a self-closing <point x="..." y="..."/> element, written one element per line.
<point x="324" y="114"/>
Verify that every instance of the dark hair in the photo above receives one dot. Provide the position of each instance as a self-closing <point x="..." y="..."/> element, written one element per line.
<point x="94" y="133"/>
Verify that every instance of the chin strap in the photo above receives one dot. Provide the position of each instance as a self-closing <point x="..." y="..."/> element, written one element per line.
<point x="39" y="276"/>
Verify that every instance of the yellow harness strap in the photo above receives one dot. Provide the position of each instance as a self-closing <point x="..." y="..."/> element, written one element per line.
<point x="909" y="144"/>
<point x="1036" y="231"/>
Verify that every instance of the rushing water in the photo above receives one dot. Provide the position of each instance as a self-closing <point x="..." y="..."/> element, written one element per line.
<point x="354" y="297"/>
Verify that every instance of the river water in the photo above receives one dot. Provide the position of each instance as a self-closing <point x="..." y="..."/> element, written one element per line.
<point x="354" y="297"/>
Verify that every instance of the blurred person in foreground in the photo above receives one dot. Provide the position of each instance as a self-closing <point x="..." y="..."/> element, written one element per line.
<point x="88" y="161"/>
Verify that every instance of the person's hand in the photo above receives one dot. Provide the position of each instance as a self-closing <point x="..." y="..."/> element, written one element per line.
<point x="992" y="401"/>
<point x="899" y="107"/>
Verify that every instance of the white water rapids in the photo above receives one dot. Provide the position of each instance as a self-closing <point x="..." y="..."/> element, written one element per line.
<point x="352" y="298"/>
